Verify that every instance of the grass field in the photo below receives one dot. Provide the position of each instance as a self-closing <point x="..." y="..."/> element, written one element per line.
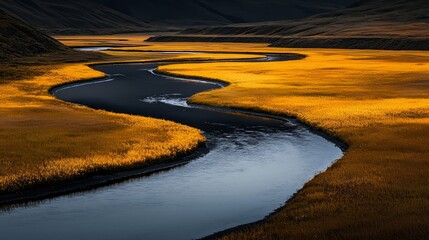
<point x="376" y="102"/>
<point x="44" y="140"/>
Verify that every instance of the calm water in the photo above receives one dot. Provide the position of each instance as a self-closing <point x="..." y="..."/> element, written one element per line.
<point x="254" y="165"/>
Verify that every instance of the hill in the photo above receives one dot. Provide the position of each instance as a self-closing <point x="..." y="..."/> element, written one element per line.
<point x="24" y="49"/>
<point x="73" y="17"/>
<point x="380" y="24"/>
<point x="106" y="16"/>
<point x="17" y="39"/>
<point x="208" y="12"/>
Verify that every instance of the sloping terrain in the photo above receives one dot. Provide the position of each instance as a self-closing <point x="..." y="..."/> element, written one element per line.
<point x="17" y="39"/>
<point x="24" y="49"/>
<point x="194" y="12"/>
<point x="70" y="16"/>
<point x="108" y="16"/>
<point x="381" y="24"/>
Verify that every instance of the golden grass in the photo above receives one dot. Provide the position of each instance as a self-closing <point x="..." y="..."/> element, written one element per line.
<point x="44" y="140"/>
<point x="377" y="102"/>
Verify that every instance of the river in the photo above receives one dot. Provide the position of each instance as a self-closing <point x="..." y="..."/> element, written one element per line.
<point x="254" y="164"/>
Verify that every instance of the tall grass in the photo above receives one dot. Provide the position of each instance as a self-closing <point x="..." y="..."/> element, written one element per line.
<point x="375" y="101"/>
<point x="43" y="140"/>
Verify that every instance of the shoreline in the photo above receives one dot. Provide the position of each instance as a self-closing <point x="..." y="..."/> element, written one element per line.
<point x="383" y="43"/>
<point x="91" y="182"/>
<point x="260" y="113"/>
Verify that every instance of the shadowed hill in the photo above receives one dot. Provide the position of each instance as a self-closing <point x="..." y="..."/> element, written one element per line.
<point x="84" y="16"/>
<point x="17" y="39"/>
<point x="106" y="16"/>
<point x="23" y="49"/>
<point x="381" y="24"/>
<point x="194" y="12"/>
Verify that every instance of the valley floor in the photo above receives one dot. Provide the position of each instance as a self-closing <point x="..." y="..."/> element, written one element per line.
<point x="375" y="101"/>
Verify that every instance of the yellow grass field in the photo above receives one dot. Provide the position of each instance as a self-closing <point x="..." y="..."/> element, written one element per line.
<point x="375" y="101"/>
<point x="103" y="40"/>
<point x="44" y="140"/>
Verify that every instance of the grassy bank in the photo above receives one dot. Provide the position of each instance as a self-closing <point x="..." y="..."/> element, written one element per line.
<point x="375" y="101"/>
<point x="44" y="140"/>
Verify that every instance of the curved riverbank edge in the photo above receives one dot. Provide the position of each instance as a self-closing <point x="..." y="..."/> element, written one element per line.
<point x="280" y="56"/>
<point x="91" y="182"/>
<point x="104" y="178"/>
<point x="95" y="181"/>
<point x="375" y="43"/>
<point x="259" y="112"/>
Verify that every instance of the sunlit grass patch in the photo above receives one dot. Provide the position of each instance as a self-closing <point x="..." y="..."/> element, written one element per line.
<point x="375" y="101"/>
<point x="43" y="140"/>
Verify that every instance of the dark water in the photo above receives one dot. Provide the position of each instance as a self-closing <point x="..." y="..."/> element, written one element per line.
<point x="254" y="165"/>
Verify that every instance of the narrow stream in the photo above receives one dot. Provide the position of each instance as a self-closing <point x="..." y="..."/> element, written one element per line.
<point x="253" y="166"/>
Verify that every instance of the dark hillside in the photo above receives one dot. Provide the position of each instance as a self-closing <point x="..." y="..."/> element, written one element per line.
<point x="17" y="39"/>
<point x="68" y="16"/>
<point x="112" y="16"/>
<point x="379" y="24"/>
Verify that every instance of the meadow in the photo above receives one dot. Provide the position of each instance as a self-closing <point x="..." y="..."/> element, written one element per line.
<point x="374" y="101"/>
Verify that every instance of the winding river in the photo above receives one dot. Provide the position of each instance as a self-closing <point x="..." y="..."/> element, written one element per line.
<point x="254" y="164"/>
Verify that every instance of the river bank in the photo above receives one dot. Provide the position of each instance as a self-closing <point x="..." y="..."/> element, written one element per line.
<point x="63" y="147"/>
<point x="256" y="160"/>
<point x="377" y="103"/>
<point x="384" y="168"/>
